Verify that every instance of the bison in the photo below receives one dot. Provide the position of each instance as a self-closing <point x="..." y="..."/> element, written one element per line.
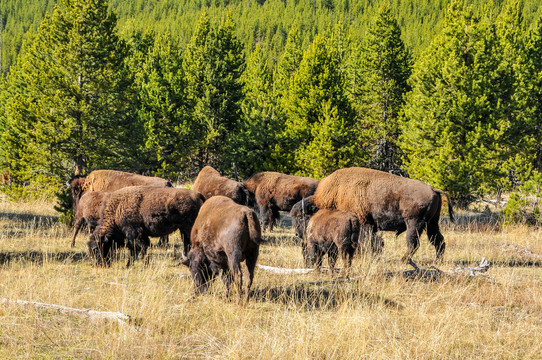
<point x="224" y="234"/>
<point x="386" y="202"/>
<point x="88" y="211"/>
<point x="130" y="215"/>
<point x="275" y="191"/>
<point x="332" y="232"/>
<point x="210" y="183"/>
<point x="111" y="180"/>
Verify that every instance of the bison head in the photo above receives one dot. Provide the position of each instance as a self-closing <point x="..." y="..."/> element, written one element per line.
<point x="301" y="213"/>
<point x="200" y="268"/>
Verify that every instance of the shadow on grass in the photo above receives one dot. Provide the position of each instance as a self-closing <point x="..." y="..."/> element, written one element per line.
<point x="311" y="297"/>
<point x="39" y="257"/>
<point x="36" y="221"/>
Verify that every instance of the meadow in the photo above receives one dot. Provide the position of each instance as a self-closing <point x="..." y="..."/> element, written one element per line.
<point x="292" y="316"/>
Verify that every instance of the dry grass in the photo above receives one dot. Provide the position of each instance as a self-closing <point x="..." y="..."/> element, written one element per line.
<point x="373" y="318"/>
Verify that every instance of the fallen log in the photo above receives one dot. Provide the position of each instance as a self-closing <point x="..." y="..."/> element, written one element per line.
<point x="121" y="318"/>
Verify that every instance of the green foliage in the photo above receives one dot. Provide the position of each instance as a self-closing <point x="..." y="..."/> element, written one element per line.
<point x="455" y="116"/>
<point x="213" y="65"/>
<point x="69" y="97"/>
<point x="162" y="109"/>
<point x="523" y="207"/>
<point x="383" y="66"/>
<point x="64" y="205"/>
<point x="318" y="109"/>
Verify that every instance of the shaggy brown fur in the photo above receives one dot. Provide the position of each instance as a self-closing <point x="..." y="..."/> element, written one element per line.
<point x="275" y="191"/>
<point x="88" y="211"/>
<point x="331" y="232"/>
<point x="210" y="183"/>
<point x="130" y="215"/>
<point x="224" y="235"/>
<point x="387" y="202"/>
<point x="111" y="180"/>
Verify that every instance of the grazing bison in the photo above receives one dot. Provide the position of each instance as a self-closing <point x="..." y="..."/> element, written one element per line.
<point x="332" y="232"/>
<point x="275" y="191"/>
<point x="130" y="215"/>
<point x="386" y="202"/>
<point x="210" y="183"/>
<point x="224" y="235"/>
<point x="301" y="213"/>
<point x="111" y="180"/>
<point x="88" y="211"/>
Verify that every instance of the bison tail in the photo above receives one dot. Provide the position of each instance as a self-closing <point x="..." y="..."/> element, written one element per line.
<point x="254" y="229"/>
<point x="450" y="209"/>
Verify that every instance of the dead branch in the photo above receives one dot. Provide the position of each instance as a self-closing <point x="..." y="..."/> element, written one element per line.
<point x="283" y="271"/>
<point x="433" y="273"/>
<point x="122" y="319"/>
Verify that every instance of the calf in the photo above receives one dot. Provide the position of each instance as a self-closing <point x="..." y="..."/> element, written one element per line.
<point x="88" y="211"/>
<point x="224" y="235"/>
<point x="330" y="232"/>
<point x="301" y="213"/>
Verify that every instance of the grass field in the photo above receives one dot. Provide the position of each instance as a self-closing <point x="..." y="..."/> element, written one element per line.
<point x="288" y="317"/>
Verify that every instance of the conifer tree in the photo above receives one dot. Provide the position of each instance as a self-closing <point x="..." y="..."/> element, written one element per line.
<point x="70" y="97"/>
<point x="169" y="134"/>
<point x="254" y="146"/>
<point x="453" y="115"/>
<point x="213" y="65"/>
<point x="385" y="66"/>
<point x="319" y="111"/>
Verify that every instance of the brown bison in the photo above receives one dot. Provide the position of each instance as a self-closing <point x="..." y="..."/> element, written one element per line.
<point x="332" y="232"/>
<point x="88" y="211"/>
<point x="386" y="202"/>
<point x="275" y="191"/>
<point x="300" y="214"/>
<point x="210" y="183"/>
<point x="130" y="215"/>
<point x="111" y="180"/>
<point x="224" y="235"/>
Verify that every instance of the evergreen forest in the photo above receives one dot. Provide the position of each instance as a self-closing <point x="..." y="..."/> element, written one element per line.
<point x="447" y="92"/>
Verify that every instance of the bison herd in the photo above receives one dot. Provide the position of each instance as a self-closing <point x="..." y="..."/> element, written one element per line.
<point x="220" y="229"/>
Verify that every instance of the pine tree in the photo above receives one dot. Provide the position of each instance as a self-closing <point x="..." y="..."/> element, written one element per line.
<point x="318" y="108"/>
<point x="385" y="65"/>
<point x="255" y="146"/>
<point x="453" y="115"/>
<point x="70" y="96"/>
<point x="214" y="64"/>
<point x="169" y="134"/>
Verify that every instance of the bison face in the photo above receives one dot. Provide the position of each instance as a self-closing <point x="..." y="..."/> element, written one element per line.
<point x="200" y="268"/>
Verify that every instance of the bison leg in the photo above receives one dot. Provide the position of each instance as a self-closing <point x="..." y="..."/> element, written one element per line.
<point x="316" y="256"/>
<point x="234" y="264"/>
<point x="332" y="255"/>
<point x="76" y="229"/>
<point x="267" y="217"/>
<point x="185" y="235"/>
<point x="436" y="238"/>
<point x="227" y="279"/>
<point x="305" y="253"/>
<point x="414" y="230"/>
<point x="250" y="261"/>
<point x="163" y="242"/>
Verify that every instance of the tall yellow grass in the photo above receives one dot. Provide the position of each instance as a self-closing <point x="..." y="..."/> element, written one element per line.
<point x="288" y="316"/>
